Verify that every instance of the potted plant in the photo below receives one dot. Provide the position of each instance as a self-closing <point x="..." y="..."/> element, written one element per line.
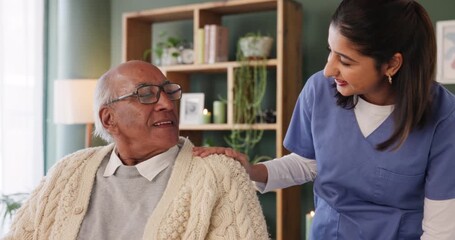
<point x="249" y="90"/>
<point x="166" y="50"/>
<point x="9" y="204"/>
<point x="255" y="45"/>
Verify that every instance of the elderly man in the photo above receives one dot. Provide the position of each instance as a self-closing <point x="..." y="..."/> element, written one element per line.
<point x="147" y="184"/>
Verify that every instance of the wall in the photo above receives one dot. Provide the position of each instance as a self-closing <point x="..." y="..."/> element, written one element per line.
<point x="78" y="46"/>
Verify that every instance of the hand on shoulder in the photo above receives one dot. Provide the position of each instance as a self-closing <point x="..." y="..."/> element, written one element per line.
<point x="240" y="157"/>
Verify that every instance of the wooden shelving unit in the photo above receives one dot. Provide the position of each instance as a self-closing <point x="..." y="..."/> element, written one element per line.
<point x="137" y="37"/>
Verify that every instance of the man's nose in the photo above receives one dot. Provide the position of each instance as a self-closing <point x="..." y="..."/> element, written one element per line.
<point x="164" y="103"/>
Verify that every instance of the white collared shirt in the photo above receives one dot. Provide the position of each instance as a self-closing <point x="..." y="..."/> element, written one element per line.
<point x="149" y="168"/>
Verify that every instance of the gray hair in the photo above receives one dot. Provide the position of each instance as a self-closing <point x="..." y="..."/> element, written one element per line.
<point x="103" y="95"/>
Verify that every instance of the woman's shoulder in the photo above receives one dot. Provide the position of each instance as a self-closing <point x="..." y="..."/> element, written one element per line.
<point x="443" y="102"/>
<point x="318" y="85"/>
<point x="318" y="80"/>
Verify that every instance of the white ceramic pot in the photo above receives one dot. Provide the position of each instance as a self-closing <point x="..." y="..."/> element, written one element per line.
<point x="256" y="46"/>
<point x="170" y="56"/>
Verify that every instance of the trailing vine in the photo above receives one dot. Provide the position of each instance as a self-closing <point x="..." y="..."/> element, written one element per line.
<point x="249" y="89"/>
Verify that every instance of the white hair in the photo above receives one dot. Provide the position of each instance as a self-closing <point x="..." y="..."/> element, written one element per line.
<point x="103" y="95"/>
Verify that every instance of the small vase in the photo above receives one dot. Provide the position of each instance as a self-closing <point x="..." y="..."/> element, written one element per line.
<point x="170" y="56"/>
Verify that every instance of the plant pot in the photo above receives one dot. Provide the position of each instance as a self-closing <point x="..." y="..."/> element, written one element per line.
<point x="255" y="47"/>
<point x="170" y="56"/>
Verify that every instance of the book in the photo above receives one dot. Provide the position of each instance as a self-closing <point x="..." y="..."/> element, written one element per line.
<point x="218" y="44"/>
<point x="206" y="43"/>
<point x="200" y="46"/>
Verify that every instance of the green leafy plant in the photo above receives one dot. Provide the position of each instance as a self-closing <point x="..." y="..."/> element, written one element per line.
<point x="249" y="90"/>
<point x="165" y="42"/>
<point x="9" y="204"/>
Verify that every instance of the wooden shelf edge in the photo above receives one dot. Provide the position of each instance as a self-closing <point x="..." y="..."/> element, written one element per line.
<point x="213" y="67"/>
<point x="186" y="11"/>
<point x="224" y="127"/>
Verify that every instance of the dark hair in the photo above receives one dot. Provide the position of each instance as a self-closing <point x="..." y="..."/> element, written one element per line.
<point x="381" y="28"/>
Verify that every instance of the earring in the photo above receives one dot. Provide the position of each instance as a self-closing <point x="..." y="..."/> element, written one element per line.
<point x="389" y="77"/>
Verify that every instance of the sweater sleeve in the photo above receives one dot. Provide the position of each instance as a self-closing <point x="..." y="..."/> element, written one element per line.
<point x="237" y="214"/>
<point x="23" y="226"/>
<point x="37" y="217"/>
<point x="28" y="218"/>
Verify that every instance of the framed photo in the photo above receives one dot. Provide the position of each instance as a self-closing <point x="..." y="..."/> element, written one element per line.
<point x="445" y="37"/>
<point x="191" y="107"/>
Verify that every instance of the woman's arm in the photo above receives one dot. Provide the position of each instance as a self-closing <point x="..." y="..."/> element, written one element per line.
<point x="286" y="171"/>
<point x="438" y="219"/>
<point x="289" y="170"/>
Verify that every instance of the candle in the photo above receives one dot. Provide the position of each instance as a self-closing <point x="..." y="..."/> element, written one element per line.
<point x="219" y="112"/>
<point x="206" y="116"/>
<point x="308" y="222"/>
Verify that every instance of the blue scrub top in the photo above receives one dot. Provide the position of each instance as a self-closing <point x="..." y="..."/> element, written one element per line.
<point x="363" y="193"/>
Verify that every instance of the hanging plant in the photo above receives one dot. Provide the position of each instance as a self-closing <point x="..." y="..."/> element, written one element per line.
<point x="249" y="89"/>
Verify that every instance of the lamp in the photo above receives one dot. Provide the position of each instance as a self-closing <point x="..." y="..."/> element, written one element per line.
<point x="73" y="103"/>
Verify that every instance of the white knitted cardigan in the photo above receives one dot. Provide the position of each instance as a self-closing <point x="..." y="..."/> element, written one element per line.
<point x="209" y="198"/>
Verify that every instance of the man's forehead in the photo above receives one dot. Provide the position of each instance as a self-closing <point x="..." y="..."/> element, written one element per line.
<point x="141" y="77"/>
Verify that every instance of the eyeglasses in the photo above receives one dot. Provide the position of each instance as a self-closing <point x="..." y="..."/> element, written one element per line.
<point x="150" y="94"/>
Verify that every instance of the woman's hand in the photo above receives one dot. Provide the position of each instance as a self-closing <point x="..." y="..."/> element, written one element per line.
<point x="240" y="157"/>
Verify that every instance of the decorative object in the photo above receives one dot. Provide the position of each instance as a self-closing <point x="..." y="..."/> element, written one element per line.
<point x="187" y="56"/>
<point x="249" y="90"/>
<point x="446" y="51"/>
<point x="170" y="56"/>
<point x="269" y="116"/>
<point x="219" y="112"/>
<point x="191" y="108"/>
<point x="166" y="51"/>
<point x="73" y="103"/>
<point x="207" y="116"/>
<point x="254" y="45"/>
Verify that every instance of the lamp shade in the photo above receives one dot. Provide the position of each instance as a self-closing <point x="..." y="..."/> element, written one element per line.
<point x="73" y="101"/>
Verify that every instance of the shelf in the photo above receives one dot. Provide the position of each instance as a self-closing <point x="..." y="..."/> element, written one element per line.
<point x="186" y="12"/>
<point x="208" y="68"/>
<point x="227" y="127"/>
<point x="137" y="34"/>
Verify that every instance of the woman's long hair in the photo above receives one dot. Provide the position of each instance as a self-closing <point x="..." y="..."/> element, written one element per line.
<point x="381" y="28"/>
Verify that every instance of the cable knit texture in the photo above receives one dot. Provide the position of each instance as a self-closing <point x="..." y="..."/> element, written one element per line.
<point x="210" y="198"/>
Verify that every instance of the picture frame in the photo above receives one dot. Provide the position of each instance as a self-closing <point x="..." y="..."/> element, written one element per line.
<point x="445" y="37"/>
<point x="191" y="108"/>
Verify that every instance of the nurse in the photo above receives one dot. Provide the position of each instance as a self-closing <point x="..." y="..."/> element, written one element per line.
<point x="374" y="130"/>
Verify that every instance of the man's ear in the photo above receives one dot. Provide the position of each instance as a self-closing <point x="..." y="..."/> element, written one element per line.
<point x="107" y="118"/>
<point x="394" y="64"/>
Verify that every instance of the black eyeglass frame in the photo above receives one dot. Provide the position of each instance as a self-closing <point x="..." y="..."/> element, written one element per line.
<point x="158" y="94"/>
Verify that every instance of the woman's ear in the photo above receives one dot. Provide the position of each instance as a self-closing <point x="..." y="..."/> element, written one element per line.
<point x="107" y="119"/>
<point x="394" y="64"/>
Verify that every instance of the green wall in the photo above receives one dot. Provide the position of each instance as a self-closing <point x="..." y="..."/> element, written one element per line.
<point x="78" y="47"/>
<point x="97" y="15"/>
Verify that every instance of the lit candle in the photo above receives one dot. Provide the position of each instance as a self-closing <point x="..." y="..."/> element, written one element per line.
<point x="206" y="116"/>
<point x="308" y="222"/>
